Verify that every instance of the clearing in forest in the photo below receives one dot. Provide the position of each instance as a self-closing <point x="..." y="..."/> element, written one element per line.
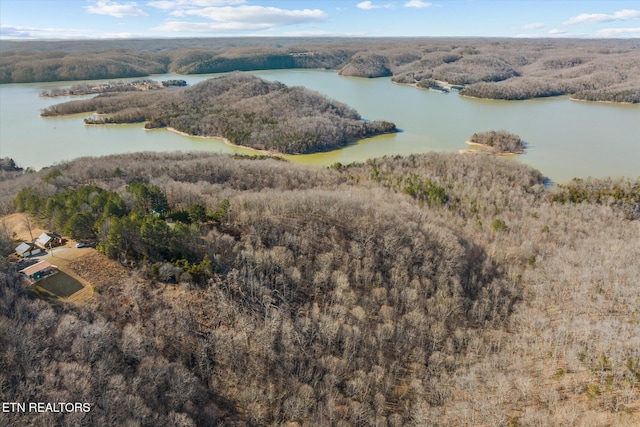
<point x="66" y="285"/>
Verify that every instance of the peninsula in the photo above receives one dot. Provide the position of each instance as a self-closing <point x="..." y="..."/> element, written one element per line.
<point x="117" y="86"/>
<point x="241" y="108"/>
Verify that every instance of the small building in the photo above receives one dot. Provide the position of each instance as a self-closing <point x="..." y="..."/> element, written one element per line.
<point x="39" y="270"/>
<point x="49" y="240"/>
<point x="27" y="249"/>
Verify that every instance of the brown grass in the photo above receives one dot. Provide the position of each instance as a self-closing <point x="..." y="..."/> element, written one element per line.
<point x="16" y="226"/>
<point x="98" y="269"/>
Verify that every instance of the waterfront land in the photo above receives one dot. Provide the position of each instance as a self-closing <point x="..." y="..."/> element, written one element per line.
<point x="242" y="109"/>
<point x="493" y="68"/>
<point x="426" y="289"/>
<point x="110" y="87"/>
<point x="431" y="289"/>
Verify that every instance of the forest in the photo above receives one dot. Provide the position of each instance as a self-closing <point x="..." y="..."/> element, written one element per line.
<point x="241" y="108"/>
<point x="495" y="68"/>
<point x="434" y="289"/>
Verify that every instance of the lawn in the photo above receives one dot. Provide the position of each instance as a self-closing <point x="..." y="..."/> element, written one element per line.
<point x="60" y="284"/>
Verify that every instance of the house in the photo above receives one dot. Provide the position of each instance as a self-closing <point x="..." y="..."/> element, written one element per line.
<point x="48" y="240"/>
<point x="39" y="270"/>
<point x="26" y="249"/>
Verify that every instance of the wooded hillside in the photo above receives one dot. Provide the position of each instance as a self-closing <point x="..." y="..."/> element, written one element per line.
<point x="242" y="108"/>
<point x="594" y="70"/>
<point x="420" y="290"/>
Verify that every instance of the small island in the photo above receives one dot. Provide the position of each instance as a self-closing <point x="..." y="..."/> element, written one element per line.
<point x="239" y="108"/>
<point x="496" y="142"/>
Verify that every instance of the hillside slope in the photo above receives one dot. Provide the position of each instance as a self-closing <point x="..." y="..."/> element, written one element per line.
<point x="495" y="68"/>
<point x="419" y="290"/>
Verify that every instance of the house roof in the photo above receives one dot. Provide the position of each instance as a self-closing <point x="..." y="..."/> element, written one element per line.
<point x="40" y="266"/>
<point x="25" y="247"/>
<point x="45" y="238"/>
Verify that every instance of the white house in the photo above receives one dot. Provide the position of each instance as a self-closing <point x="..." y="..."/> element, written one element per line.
<point x="48" y="240"/>
<point x="28" y="249"/>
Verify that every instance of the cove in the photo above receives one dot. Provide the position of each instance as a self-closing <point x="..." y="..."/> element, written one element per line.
<point x="566" y="139"/>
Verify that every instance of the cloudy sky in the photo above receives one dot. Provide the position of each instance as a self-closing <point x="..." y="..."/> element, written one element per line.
<point x="78" y="19"/>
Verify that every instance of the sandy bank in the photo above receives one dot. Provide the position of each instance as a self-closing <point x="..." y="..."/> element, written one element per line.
<point x="601" y="102"/>
<point x="487" y="149"/>
<point x="225" y="140"/>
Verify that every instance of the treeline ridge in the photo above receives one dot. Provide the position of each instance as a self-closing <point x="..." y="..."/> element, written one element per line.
<point x="593" y="70"/>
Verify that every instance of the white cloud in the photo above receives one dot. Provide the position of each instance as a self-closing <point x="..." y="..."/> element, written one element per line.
<point x="271" y="16"/>
<point x="565" y="34"/>
<point x="117" y="10"/>
<point x="621" y="15"/>
<point x="367" y="5"/>
<point x="417" y="4"/>
<point x="10" y="32"/>
<point x="210" y="27"/>
<point x="619" y="32"/>
<point x="533" y="26"/>
<point x="190" y="4"/>
<point x="241" y="18"/>
<point x="28" y="33"/>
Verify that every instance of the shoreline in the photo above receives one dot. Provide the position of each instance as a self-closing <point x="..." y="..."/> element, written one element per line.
<point x="487" y="149"/>
<point x="484" y="152"/>
<point x="477" y="144"/>
<point x="222" y="139"/>
<point x="444" y="88"/>
<point x="602" y="102"/>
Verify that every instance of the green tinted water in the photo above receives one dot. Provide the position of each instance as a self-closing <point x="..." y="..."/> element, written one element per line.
<point x="566" y="139"/>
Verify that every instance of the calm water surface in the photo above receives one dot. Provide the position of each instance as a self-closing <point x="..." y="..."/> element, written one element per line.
<point x="566" y="139"/>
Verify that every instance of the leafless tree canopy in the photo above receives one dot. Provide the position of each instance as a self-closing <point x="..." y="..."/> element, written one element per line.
<point x="592" y="70"/>
<point x="242" y="108"/>
<point x="432" y="289"/>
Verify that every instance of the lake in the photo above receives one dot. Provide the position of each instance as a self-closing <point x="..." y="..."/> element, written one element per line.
<point x="566" y="139"/>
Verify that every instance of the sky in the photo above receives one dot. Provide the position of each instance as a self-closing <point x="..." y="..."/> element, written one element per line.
<point x="99" y="19"/>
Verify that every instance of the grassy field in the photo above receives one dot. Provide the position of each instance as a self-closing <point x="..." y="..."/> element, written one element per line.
<point x="60" y="284"/>
<point x="21" y="227"/>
